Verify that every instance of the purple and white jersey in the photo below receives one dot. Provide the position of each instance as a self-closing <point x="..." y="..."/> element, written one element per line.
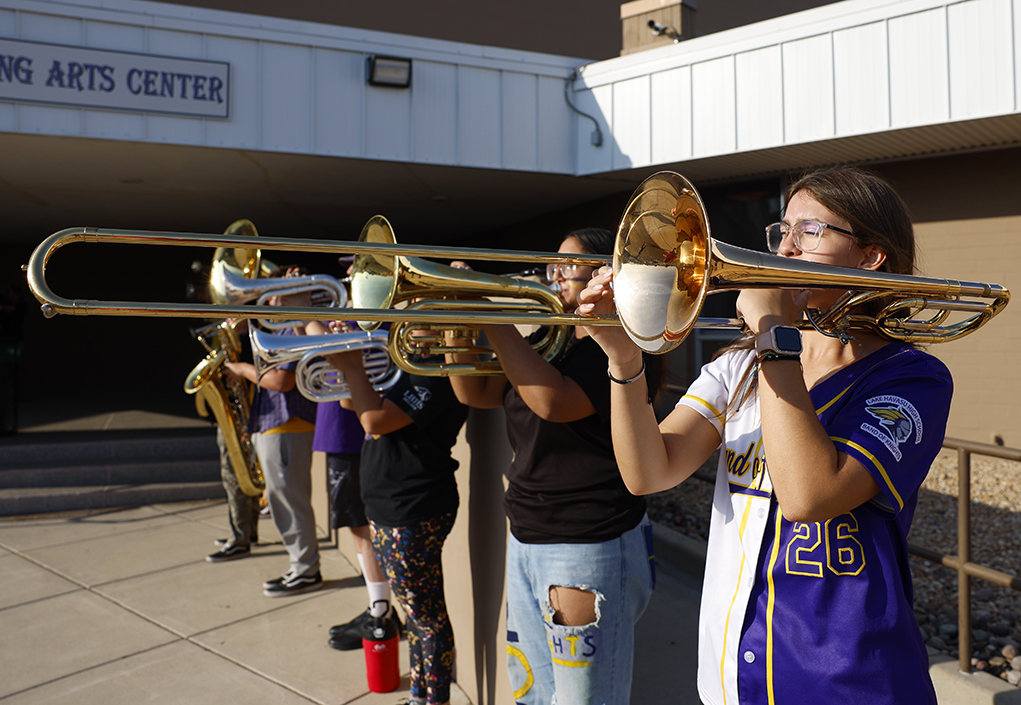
<point x="819" y="612"/>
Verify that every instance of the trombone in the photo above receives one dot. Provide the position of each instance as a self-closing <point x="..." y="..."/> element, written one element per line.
<point x="665" y="263"/>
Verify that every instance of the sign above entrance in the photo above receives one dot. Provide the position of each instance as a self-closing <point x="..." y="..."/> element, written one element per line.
<point x="32" y="72"/>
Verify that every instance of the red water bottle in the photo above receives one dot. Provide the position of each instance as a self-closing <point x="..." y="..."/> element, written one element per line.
<point x="380" y="640"/>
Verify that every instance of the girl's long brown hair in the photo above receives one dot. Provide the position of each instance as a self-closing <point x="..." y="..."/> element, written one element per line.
<point x="877" y="216"/>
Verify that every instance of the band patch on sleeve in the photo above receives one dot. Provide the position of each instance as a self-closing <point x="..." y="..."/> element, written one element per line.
<point x="897" y="420"/>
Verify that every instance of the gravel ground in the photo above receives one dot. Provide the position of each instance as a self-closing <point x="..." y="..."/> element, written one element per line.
<point x="996" y="529"/>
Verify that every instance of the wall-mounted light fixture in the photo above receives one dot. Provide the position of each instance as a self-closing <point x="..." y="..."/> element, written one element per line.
<point x="389" y="71"/>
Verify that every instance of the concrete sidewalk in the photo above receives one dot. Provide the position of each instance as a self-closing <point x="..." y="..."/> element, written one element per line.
<point x="121" y="606"/>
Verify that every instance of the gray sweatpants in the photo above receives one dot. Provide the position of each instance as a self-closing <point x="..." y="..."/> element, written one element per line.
<point x="286" y="460"/>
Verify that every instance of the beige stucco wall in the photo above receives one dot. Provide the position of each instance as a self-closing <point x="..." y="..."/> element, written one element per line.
<point x="986" y="365"/>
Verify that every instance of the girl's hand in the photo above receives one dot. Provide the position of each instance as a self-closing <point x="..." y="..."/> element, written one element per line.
<point x="596" y="299"/>
<point x="348" y="362"/>
<point x="761" y="309"/>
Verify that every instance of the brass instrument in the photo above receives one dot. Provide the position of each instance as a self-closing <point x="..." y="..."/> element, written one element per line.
<point x="665" y="264"/>
<point x="228" y="286"/>
<point x="316" y="378"/>
<point x="384" y="281"/>
<point x="229" y="402"/>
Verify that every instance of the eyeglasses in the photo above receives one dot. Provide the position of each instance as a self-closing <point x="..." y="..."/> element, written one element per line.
<point x="567" y="271"/>
<point x="806" y="234"/>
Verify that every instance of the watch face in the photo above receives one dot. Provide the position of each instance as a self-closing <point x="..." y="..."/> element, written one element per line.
<point x="787" y="339"/>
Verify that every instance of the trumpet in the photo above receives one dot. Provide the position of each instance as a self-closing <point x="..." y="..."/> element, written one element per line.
<point x="665" y="263"/>
<point x="315" y="378"/>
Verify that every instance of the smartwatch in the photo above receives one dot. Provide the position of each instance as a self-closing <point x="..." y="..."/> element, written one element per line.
<point x="779" y="343"/>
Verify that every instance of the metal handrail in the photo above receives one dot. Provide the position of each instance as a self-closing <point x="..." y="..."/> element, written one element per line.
<point x="962" y="561"/>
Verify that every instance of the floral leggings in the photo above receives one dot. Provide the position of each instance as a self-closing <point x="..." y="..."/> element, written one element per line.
<point x="410" y="555"/>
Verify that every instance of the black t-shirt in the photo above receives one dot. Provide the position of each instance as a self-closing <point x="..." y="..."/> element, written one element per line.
<point x="564" y="485"/>
<point x="408" y="475"/>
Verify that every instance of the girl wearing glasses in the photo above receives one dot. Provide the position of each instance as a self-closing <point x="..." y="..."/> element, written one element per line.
<point x="823" y="446"/>
<point x="579" y="557"/>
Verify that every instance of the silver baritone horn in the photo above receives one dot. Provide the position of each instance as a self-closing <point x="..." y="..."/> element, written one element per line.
<point x="232" y="287"/>
<point x="316" y="378"/>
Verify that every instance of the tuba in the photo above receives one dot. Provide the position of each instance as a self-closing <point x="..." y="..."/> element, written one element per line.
<point x="229" y="404"/>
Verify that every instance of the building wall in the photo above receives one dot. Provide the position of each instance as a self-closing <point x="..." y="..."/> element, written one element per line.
<point x="968" y="228"/>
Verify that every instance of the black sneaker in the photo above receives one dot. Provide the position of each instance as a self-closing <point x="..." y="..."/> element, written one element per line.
<point x="346" y="641"/>
<point x="276" y="581"/>
<point x="291" y="584"/>
<point x="229" y="552"/>
<point x="354" y="625"/>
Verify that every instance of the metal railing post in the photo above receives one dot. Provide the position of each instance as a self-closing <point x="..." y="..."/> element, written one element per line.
<point x="964" y="557"/>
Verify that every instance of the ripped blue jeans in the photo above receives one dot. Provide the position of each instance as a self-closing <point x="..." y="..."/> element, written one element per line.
<point x="589" y="664"/>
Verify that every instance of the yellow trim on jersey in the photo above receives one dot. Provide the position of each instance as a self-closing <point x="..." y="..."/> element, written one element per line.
<point x="770" y="606"/>
<point x="719" y="416"/>
<point x="293" y="425"/>
<point x="879" y="466"/>
<point x="844" y="391"/>
<point x="740" y="571"/>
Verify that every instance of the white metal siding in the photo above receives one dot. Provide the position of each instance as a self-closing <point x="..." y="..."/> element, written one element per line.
<point x="671" y="116"/>
<point x="338" y="111"/>
<point x="479" y="114"/>
<point x="520" y="140"/>
<point x="808" y="89"/>
<point x="713" y="103"/>
<point x="981" y="53"/>
<point x="285" y="97"/>
<point x="556" y="150"/>
<point x="435" y="107"/>
<point x="854" y="68"/>
<point x="300" y="88"/>
<point x="760" y="101"/>
<point x="862" y="93"/>
<point x="919" y="83"/>
<point x="631" y="123"/>
<point x="859" y="68"/>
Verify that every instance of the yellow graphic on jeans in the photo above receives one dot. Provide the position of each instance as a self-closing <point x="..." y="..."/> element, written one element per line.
<point x="529" y="678"/>
<point x="572" y="650"/>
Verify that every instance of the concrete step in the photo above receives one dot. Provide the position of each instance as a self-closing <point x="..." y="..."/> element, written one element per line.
<point x="66" y="471"/>
<point x="167" y="469"/>
<point x="29" y="450"/>
<point x="46" y="500"/>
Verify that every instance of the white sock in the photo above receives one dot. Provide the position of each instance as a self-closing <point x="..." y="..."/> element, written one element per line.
<point x="377" y="591"/>
<point x="379" y="598"/>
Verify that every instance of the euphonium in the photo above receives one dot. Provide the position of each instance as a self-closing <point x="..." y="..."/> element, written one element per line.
<point x="316" y="378"/>
<point x="229" y="286"/>
<point x="229" y="403"/>
<point x="383" y="281"/>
